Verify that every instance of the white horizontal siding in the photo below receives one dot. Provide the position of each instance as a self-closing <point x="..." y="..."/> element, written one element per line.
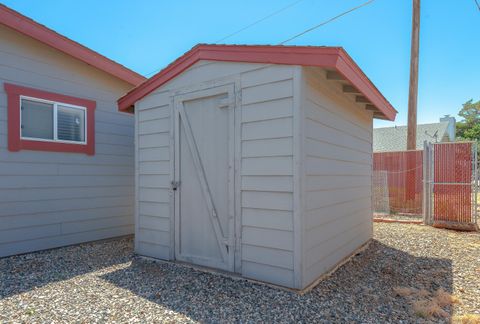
<point x="264" y="272"/>
<point x="50" y="199"/>
<point x="26" y="182"/>
<point x="268" y="183"/>
<point x="278" y="258"/>
<point x="267" y="218"/>
<point x="267" y="174"/>
<point x="267" y="166"/>
<point x="337" y="169"/>
<point x="153" y="223"/>
<point x="41" y="194"/>
<point x="63" y="216"/>
<point x="154" y="154"/>
<point x="267" y="200"/>
<point x="267" y="147"/>
<point x="265" y="129"/>
<point x="54" y="205"/>
<point x="53" y="241"/>
<point x="101" y="157"/>
<point x="268" y="238"/>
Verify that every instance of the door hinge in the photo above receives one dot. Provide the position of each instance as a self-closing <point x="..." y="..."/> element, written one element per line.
<point x="174" y="185"/>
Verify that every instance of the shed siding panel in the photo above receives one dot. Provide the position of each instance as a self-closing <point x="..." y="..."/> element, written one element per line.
<point x="337" y="165"/>
<point x="266" y="174"/>
<point x="51" y="199"/>
<point x="267" y="147"/>
<point x="264" y="272"/>
<point x="267" y="183"/>
<point x="278" y="258"/>
<point x="152" y="231"/>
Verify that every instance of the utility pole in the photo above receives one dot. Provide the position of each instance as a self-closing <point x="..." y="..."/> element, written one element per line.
<point x="411" y="174"/>
<point x="413" y="88"/>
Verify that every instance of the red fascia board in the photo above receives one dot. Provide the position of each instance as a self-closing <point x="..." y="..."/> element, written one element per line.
<point x="352" y="72"/>
<point x="171" y="71"/>
<point x="16" y="143"/>
<point x="31" y="28"/>
<point x="326" y="57"/>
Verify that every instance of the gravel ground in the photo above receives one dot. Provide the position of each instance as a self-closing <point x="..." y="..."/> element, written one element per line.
<point x="400" y="217"/>
<point x="105" y="282"/>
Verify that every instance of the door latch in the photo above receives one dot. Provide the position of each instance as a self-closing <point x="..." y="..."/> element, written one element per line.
<point x="175" y="185"/>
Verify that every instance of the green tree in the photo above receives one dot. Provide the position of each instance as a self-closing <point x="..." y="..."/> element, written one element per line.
<point x="469" y="127"/>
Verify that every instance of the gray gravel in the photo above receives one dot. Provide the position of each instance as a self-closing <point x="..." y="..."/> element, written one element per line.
<point x="399" y="217"/>
<point x="105" y="282"/>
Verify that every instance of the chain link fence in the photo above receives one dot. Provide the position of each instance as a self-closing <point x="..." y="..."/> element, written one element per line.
<point x="397" y="185"/>
<point x="437" y="185"/>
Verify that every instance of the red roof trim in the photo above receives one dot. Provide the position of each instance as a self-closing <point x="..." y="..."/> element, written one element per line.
<point x="31" y="28"/>
<point x="327" y="57"/>
<point x="352" y="72"/>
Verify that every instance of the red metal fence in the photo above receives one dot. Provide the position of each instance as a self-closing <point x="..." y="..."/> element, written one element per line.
<point x="452" y="182"/>
<point x="449" y="189"/>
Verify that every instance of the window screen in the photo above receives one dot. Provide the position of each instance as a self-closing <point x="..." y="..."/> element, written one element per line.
<point x="37" y="119"/>
<point x="70" y="124"/>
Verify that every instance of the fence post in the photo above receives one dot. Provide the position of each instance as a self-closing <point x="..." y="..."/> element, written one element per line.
<point x="424" y="176"/>
<point x="427" y="195"/>
<point x="475" y="181"/>
<point x="431" y="171"/>
<point x="426" y="184"/>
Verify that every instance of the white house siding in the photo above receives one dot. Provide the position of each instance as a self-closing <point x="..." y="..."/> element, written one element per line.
<point x="50" y="199"/>
<point x="337" y="168"/>
<point x="266" y="170"/>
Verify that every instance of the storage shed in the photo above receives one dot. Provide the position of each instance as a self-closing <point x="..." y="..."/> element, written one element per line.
<point x="255" y="160"/>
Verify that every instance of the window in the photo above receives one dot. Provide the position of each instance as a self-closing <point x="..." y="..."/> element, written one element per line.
<point x="52" y="121"/>
<point x="39" y="120"/>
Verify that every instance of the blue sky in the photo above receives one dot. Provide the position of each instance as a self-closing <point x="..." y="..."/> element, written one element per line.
<point x="147" y="35"/>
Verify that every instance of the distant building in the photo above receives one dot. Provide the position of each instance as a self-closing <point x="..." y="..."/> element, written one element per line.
<point x="389" y="139"/>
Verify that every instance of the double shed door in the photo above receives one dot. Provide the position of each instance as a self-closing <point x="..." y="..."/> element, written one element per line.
<point x="205" y="177"/>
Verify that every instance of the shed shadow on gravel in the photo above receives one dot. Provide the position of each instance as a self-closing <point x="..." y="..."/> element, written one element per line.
<point x="25" y="272"/>
<point x="361" y="290"/>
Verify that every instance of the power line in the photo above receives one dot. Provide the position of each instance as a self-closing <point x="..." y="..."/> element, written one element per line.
<point x="276" y="13"/>
<point x="152" y="72"/>
<point x="244" y="28"/>
<point x="260" y="20"/>
<point x="477" y="3"/>
<point x="328" y="21"/>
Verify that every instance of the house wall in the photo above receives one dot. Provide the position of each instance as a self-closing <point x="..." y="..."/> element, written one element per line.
<point x="50" y="199"/>
<point x="336" y="184"/>
<point x="266" y="167"/>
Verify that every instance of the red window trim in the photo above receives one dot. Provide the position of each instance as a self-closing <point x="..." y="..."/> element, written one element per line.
<point x="16" y="143"/>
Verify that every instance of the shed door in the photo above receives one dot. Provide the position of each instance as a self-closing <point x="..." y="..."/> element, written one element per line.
<point x="204" y="173"/>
